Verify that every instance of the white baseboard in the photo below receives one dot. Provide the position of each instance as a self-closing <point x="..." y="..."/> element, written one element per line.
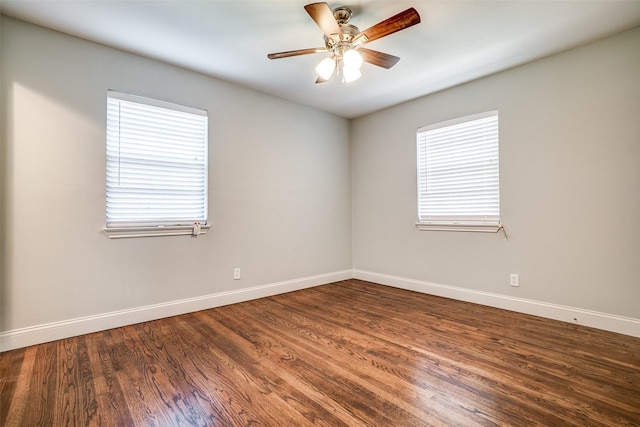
<point x="38" y="334"/>
<point x="594" y="319"/>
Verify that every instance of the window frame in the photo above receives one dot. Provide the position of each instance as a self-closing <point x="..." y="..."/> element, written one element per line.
<point x="147" y="227"/>
<point x="452" y="222"/>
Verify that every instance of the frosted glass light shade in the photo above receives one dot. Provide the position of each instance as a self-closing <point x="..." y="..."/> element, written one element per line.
<point x="352" y="59"/>
<point x="350" y="74"/>
<point x="326" y="67"/>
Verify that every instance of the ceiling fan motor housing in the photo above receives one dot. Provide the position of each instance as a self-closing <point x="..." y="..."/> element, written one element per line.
<point x="338" y="45"/>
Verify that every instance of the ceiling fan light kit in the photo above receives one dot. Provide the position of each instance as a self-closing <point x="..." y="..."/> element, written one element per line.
<point x="352" y="59"/>
<point x="326" y="67"/>
<point x="344" y="41"/>
<point x="350" y="74"/>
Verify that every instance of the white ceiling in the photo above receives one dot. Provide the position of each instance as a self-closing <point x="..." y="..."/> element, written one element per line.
<point x="457" y="41"/>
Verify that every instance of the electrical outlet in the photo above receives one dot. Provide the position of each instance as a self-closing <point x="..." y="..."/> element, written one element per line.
<point x="514" y="280"/>
<point x="236" y="273"/>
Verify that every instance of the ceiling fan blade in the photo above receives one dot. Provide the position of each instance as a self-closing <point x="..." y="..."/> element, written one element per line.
<point x="289" y="53"/>
<point x="391" y="25"/>
<point x="322" y="14"/>
<point x="380" y="59"/>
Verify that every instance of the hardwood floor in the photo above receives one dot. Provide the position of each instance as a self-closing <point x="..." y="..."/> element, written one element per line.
<point x="350" y="353"/>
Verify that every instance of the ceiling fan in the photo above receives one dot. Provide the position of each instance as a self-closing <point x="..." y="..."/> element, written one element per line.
<point x="344" y="41"/>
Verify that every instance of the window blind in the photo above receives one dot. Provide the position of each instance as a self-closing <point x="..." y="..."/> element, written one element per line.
<point x="156" y="163"/>
<point x="458" y="172"/>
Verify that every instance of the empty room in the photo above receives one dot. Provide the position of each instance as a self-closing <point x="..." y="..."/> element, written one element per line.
<point x="283" y="213"/>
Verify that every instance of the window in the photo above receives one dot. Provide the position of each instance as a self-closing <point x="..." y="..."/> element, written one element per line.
<point x="156" y="167"/>
<point x="458" y="174"/>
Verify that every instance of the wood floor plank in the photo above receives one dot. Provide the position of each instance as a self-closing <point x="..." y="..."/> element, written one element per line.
<point x="109" y="395"/>
<point x="351" y="353"/>
<point x="43" y="384"/>
<point x="75" y="385"/>
<point x="14" y="406"/>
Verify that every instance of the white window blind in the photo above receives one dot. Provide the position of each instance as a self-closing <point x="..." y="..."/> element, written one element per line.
<point x="156" y="163"/>
<point x="458" y="174"/>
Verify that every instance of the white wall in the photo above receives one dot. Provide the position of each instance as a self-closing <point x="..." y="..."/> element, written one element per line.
<point x="281" y="182"/>
<point x="570" y="186"/>
<point x="279" y="187"/>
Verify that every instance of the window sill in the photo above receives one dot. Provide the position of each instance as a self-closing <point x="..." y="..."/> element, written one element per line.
<point x="174" y="230"/>
<point x="484" y="228"/>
